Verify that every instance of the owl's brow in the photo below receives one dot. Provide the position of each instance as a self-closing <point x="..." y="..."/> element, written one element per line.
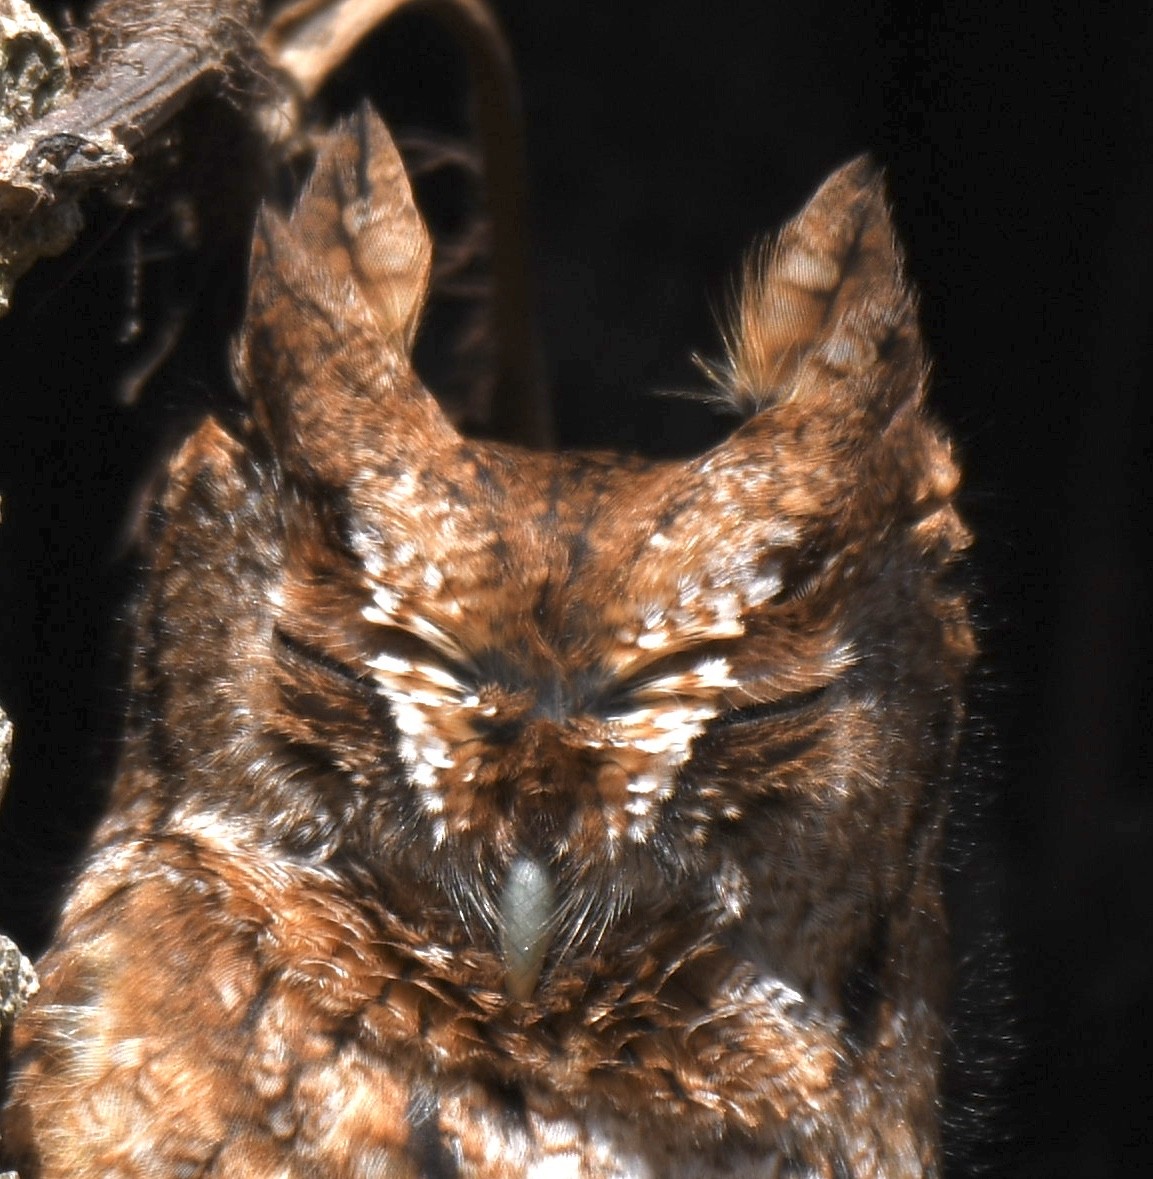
<point x="403" y="644"/>
<point x="667" y="665"/>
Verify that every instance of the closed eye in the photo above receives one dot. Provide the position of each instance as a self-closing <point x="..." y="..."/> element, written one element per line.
<point x="796" y="704"/>
<point x="297" y="649"/>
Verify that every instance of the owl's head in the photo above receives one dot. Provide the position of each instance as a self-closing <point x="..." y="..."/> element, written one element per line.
<point x="539" y="702"/>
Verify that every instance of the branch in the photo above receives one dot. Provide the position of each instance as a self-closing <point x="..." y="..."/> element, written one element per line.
<point x="143" y="61"/>
<point x="140" y="62"/>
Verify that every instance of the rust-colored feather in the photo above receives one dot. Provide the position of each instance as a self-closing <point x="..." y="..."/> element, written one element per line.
<point x="486" y="812"/>
<point x="823" y="303"/>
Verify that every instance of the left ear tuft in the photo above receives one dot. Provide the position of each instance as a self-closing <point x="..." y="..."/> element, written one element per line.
<point x="826" y="301"/>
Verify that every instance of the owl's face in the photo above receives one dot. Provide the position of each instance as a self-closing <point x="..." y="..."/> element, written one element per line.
<point x="550" y="637"/>
<point x="540" y="704"/>
<point x="553" y="672"/>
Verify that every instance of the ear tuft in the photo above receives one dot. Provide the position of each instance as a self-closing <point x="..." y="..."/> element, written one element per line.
<point x="826" y="301"/>
<point x="357" y="218"/>
<point x="353" y="257"/>
<point x="335" y="294"/>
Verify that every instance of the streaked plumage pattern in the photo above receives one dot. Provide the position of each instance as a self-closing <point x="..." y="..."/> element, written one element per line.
<point x="495" y="813"/>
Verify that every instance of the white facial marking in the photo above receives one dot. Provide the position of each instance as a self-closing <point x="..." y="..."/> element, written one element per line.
<point x="383" y="607"/>
<point x="759" y="590"/>
<point x="367" y="546"/>
<point x="715" y="673"/>
<point x="644" y="784"/>
<point x="652" y="640"/>
<point x="430" y="631"/>
<point x="389" y="664"/>
<point x="727" y="608"/>
<point x="564" y="1164"/>
<point x="424" y="776"/>
<point x="410" y="720"/>
<point x="416" y="693"/>
<point x="442" y="678"/>
<point x="671" y="713"/>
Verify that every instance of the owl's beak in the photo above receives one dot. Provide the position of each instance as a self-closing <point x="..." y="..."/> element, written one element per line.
<point x="527" y="916"/>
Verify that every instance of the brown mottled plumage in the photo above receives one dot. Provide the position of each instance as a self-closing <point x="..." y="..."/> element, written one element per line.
<point x="495" y="813"/>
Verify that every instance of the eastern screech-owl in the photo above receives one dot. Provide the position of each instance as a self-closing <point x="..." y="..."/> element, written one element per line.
<point x="494" y="813"/>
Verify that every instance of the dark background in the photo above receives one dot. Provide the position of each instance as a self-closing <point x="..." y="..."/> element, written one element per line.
<point x="663" y="139"/>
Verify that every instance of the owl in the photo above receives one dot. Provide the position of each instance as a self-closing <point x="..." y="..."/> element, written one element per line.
<point x="486" y="812"/>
